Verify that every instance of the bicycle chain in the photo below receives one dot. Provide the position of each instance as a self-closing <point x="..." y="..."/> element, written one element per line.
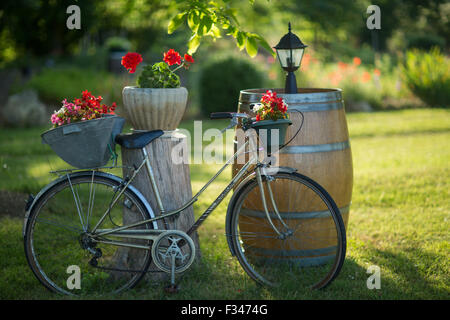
<point x="94" y="265"/>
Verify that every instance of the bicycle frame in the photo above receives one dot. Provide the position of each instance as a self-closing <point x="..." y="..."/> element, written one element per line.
<point x="152" y="234"/>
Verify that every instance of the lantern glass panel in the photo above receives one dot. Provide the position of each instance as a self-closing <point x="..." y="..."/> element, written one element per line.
<point x="284" y="56"/>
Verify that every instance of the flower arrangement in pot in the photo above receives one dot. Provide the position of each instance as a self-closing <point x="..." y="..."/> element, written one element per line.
<point x="83" y="131"/>
<point x="158" y="101"/>
<point x="271" y="114"/>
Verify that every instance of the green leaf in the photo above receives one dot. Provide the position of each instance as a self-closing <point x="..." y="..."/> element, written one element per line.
<point x="176" y="22"/>
<point x="205" y="25"/>
<point x="240" y="39"/>
<point x="193" y="44"/>
<point x="207" y="22"/>
<point x="251" y="46"/>
<point x="265" y="45"/>
<point x="193" y="21"/>
<point x="215" y="32"/>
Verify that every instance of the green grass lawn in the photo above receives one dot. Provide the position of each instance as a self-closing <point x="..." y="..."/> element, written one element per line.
<point x="399" y="218"/>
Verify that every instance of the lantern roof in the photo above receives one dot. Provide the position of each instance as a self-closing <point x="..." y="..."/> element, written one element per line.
<point x="290" y="41"/>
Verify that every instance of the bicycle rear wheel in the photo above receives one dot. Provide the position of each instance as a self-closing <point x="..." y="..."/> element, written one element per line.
<point x="58" y="246"/>
<point x="309" y="248"/>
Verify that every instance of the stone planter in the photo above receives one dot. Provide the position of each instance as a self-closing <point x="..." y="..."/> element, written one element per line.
<point x="154" y="108"/>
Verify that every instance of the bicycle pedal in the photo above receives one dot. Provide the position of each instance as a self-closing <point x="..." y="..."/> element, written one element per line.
<point x="172" y="288"/>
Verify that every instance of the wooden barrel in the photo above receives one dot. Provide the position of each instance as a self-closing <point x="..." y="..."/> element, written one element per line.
<point x="320" y="151"/>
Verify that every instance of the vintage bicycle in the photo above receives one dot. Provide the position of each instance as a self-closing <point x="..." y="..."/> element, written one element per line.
<point x="101" y="224"/>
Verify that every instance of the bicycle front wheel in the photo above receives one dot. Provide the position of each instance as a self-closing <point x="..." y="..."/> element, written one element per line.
<point x="59" y="247"/>
<point x="299" y="243"/>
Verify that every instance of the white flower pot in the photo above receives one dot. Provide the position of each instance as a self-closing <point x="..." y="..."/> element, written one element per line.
<point x="154" y="108"/>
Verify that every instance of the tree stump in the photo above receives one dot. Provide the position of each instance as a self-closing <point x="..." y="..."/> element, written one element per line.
<point x="172" y="178"/>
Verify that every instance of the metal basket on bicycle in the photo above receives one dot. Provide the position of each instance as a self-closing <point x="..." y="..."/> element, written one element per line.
<point x="272" y="133"/>
<point x="85" y="144"/>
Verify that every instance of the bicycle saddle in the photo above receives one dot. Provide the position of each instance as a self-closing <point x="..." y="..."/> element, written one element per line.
<point x="137" y="140"/>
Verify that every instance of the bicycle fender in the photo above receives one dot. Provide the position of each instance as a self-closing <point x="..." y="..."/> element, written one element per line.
<point x="86" y="173"/>
<point x="30" y="206"/>
<point x="247" y="180"/>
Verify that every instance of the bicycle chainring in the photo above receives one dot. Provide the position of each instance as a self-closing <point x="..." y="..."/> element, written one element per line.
<point x="173" y="246"/>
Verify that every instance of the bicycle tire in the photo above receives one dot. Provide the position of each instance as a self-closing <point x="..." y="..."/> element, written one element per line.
<point x="275" y="262"/>
<point x="46" y="218"/>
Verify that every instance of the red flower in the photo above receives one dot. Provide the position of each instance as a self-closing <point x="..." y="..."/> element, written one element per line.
<point x="172" y="57"/>
<point x="188" y="58"/>
<point x="366" y="76"/>
<point x="356" y="61"/>
<point x="342" y="65"/>
<point x="131" y="60"/>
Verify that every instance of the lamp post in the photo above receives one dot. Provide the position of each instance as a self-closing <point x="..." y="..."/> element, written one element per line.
<point x="290" y="52"/>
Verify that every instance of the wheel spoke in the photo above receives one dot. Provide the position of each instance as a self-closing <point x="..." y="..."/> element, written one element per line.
<point x="54" y="242"/>
<point x="310" y="249"/>
<point x="70" y="228"/>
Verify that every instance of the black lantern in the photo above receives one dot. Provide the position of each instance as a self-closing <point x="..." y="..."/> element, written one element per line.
<point x="290" y="52"/>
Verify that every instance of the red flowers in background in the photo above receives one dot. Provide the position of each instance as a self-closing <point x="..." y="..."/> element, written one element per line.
<point x="131" y="60"/>
<point x="356" y="61"/>
<point x="352" y="71"/>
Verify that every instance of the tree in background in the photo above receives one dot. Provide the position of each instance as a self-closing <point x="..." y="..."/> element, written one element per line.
<point x="38" y="28"/>
<point x="214" y="18"/>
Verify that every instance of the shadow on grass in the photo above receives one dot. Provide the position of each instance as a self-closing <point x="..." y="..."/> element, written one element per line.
<point x="409" y="274"/>
<point x="413" y="273"/>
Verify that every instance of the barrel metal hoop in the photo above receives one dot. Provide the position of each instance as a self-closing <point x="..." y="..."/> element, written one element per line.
<point x="305" y="107"/>
<point x="313" y="107"/>
<point x="337" y="146"/>
<point x="312" y="95"/>
<point x="292" y="215"/>
<point x="301" y="262"/>
<point x="293" y="253"/>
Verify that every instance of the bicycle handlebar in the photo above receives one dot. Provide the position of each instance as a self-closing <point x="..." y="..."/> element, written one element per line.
<point x="221" y="115"/>
<point x="227" y="115"/>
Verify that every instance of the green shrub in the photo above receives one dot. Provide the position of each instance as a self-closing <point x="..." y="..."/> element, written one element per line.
<point x="221" y="81"/>
<point x="158" y="75"/>
<point x="117" y="44"/>
<point x="427" y="74"/>
<point x="55" y="84"/>
<point x="424" y="41"/>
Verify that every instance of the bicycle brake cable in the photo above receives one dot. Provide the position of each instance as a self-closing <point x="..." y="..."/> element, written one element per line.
<point x="295" y="135"/>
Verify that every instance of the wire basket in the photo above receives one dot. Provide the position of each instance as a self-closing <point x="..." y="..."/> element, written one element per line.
<point x="272" y="133"/>
<point x="85" y="144"/>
